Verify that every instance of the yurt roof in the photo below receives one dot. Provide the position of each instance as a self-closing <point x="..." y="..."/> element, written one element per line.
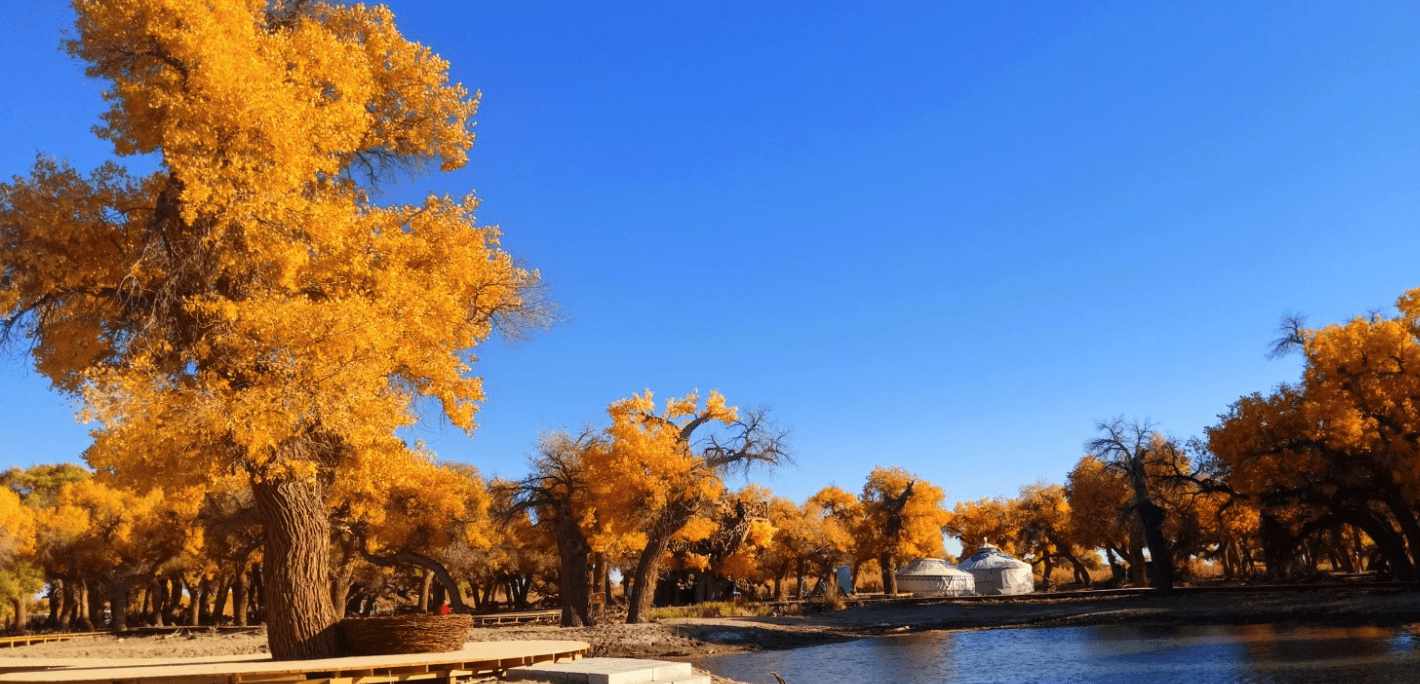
<point x="929" y="567"/>
<point x="988" y="556"/>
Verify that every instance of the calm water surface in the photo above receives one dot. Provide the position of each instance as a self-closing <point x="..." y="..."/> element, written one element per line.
<point x="1261" y="654"/>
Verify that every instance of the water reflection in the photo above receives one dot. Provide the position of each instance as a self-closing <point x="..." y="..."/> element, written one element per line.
<point x="1261" y="654"/>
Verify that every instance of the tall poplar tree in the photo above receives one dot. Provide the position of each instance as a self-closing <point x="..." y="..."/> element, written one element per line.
<point x="1127" y="448"/>
<point x="249" y="307"/>
<point x="659" y="474"/>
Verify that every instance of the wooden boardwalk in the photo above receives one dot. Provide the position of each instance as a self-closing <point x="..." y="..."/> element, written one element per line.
<point x="28" y="639"/>
<point x="518" y="617"/>
<point x="475" y="658"/>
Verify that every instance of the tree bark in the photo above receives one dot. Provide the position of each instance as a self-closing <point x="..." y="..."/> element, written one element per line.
<point x="118" y="603"/>
<point x="340" y="584"/>
<point x="258" y="592"/>
<point x="56" y="602"/>
<point x="300" y="622"/>
<point x="573" y="592"/>
<point x="150" y="605"/>
<point x="888" y="564"/>
<point x="1403" y="510"/>
<point x="1138" y="571"/>
<point x="197" y="608"/>
<point x="521" y="584"/>
<point x="1160" y="565"/>
<point x="218" y="615"/>
<point x="426" y="588"/>
<point x="84" y="607"/>
<point x="1117" y="571"/>
<point x="21" y="616"/>
<point x="643" y="587"/>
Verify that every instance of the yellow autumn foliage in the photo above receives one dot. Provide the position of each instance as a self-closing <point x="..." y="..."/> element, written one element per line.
<point x="17" y="528"/>
<point x="249" y="307"/>
<point x="651" y="465"/>
<point x="903" y="514"/>
<point x="250" y="293"/>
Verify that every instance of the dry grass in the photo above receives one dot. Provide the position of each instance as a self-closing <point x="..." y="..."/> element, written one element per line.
<point x="712" y="609"/>
<point x="1064" y="576"/>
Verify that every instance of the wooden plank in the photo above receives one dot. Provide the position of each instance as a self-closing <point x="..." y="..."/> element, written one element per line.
<point x="261" y="677"/>
<point x="260" y="669"/>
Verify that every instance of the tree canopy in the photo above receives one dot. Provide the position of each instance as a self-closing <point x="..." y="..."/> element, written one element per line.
<point x="249" y="305"/>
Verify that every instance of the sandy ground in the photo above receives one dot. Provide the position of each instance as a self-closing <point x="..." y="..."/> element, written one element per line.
<point x="689" y="639"/>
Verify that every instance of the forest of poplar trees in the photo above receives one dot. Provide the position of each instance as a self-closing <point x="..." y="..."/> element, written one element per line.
<point x="249" y="331"/>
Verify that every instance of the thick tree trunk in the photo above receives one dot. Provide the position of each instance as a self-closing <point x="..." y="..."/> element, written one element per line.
<point x="340" y="584"/>
<point x="1117" y="571"/>
<point x="476" y="595"/>
<point x="22" y="617"/>
<point x="1342" y="550"/>
<point x="219" y="603"/>
<point x="490" y="593"/>
<point x="521" y="586"/>
<point x="72" y="598"/>
<point x="98" y="597"/>
<point x="300" y="622"/>
<point x="889" y="571"/>
<point x="83" y="607"/>
<point x="605" y="574"/>
<point x="118" y="603"/>
<point x="168" y="597"/>
<point x="426" y="588"/>
<point x="257" y="603"/>
<point x="573" y="592"/>
<point x="149" y="605"/>
<point x="201" y="593"/>
<point x="1138" y="571"/>
<point x="1388" y="541"/>
<point x="1403" y="510"/>
<point x="56" y="603"/>
<point x="643" y="586"/>
<point x="1160" y="565"/>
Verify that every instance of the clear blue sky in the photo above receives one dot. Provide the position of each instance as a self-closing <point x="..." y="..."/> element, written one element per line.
<point x="949" y="236"/>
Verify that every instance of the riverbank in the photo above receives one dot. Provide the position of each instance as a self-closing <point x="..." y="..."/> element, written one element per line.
<point x="692" y="639"/>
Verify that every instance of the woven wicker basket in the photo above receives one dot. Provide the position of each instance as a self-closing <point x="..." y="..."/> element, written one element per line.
<point x="404" y="634"/>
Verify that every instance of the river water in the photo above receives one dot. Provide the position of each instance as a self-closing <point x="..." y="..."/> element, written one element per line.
<point x="1256" y="654"/>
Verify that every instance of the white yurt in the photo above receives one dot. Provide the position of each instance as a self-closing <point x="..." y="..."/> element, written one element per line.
<point x="998" y="573"/>
<point x="934" y="577"/>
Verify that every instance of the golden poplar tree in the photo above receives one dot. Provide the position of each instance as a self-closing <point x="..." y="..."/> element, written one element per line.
<point x="1129" y="447"/>
<point x="1099" y="499"/>
<point x="559" y="491"/>
<point x="19" y="579"/>
<point x="905" y="519"/>
<point x="1341" y="446"/>
<point x="662" y="470"/>
<point x="1042" y="517"/>
<point x="249" y="306"/>
<point x="984" y="521"/>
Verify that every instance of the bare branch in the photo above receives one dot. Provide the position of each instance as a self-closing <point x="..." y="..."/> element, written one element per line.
<point x="1290" y="336"/>
<point x="756" y="440"/>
